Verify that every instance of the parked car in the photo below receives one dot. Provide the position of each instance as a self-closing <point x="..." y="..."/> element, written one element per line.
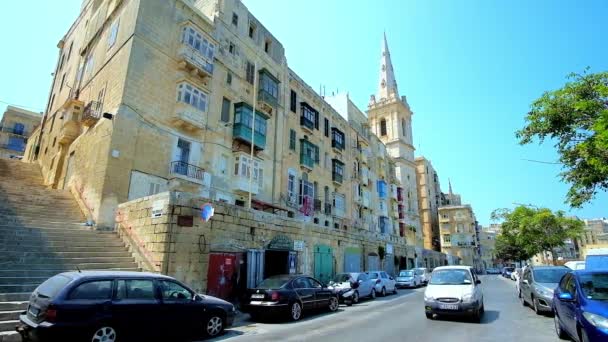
<point x="365" y="288"/>
<point x="383" y="282"/>
<point x="454" y="290"/>
<point x="580" y="304"/>
<point x="575" y="265"/>
<point x="408" y="278"/>
<point x="114" y="305"/>
<point x="492" y="271"/>
<point x="424" y="273"/>
<point x="537" y="286"/>
<point x="506" y="271"/>
<point x="288" y="295"/>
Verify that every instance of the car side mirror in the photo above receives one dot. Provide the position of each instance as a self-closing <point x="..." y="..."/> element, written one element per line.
<point x="197" y="298"/>
<point x="565" y="297"/>
<point x="477" y="282"/>
<point x="525" y="281"/>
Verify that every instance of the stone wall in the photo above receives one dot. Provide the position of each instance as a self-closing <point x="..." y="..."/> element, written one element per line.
<point x="162" y="245"/>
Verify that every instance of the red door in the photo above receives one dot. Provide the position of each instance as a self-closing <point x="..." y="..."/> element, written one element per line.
<point x="222" y="275"/>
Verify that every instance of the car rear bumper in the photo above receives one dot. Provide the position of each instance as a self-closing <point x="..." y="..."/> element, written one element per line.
<point x="266" y="308"/>
<point x="464" y="309"/>
<point x="44" y="331"/>
<point x="401" y="284"/>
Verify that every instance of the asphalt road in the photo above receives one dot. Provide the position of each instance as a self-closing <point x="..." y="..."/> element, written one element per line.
<point x="401" y="317"/>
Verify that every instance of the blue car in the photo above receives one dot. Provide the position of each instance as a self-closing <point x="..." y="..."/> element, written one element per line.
<point x="580" y="304"/>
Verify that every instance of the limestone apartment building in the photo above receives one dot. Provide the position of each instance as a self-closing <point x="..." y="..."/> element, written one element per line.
<point x="15" y="128"/>
<point x="153" y="96"/>
<point x="460" y="234"/>
<point x="429" y="201"/>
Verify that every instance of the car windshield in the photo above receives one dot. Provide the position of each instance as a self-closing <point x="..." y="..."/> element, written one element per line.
<point x="595" y="285"/>
<point x="549" y="275"/>
<point x="53" y="285"/>
<point x="451" y="277"/>
<point x="273" y="283"/>
<point x="406" y="273"/>
<point x="342" y="278"/>
<point x="509" y="269"/>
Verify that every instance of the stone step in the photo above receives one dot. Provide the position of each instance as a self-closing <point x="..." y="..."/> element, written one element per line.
<point x="52" y="232"/>
<point x="10" y="336"/>
<point x="83" y="265"/>
<point x="41" y="244"/>
<point x="8" y="326"/>
<point x="26" y="262"/>
<point x="21" y="257"/>
<point x="14" y="297"/>
<point x="11" y="306"/>
<point x="59" y="249"/>
<point x="47" y="273"/>
<point x="71" y="228"/>
<point x="9" y="288"/>
<point x="49" y="224"/>
<point x="10" y="315"/>
<point x="39" y="209"/>
<point x="57" y="240"/>
<point x="21" y="280"/>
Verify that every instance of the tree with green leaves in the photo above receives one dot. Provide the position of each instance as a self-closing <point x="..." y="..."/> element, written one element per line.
<point x="527" y="231"/>
<point x="576" y="118"/>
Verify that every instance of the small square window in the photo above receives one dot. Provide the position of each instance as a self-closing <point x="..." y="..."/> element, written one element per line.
<point x="235" y="19"/>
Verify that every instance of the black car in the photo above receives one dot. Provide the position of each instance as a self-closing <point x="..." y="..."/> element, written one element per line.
<point x="125" y="306"/>
<point x="288" y="295"/>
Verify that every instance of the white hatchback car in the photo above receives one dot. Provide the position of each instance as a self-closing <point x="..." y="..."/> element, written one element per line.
<point x="454" y="290"/>
<point x="384" y="282"/>
<point x="424" y="274"/>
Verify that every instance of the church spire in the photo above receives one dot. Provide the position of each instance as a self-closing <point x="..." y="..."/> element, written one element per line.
<point x="387" y="86"/>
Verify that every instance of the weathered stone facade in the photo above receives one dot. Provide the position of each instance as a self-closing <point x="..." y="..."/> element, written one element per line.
<point x="163" y="245"/>
<point x="16" y="127"/>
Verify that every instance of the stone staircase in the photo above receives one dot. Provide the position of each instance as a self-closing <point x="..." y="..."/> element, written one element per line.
<point x="42" y="233"/>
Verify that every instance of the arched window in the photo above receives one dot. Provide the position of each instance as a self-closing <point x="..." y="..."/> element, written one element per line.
<point x="383" y="127"/>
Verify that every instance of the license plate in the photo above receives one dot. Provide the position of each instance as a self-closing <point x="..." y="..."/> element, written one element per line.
<point x="256" y="302"/>
<point x="448" y="306"/>
<point x="257" y="296"/>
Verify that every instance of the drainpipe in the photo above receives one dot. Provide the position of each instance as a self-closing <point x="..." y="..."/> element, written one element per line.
<point x="169" y="238"/>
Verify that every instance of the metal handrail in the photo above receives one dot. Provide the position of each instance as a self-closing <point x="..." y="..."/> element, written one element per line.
<point x="188" y="170"/>
<point x="92" y="110"/>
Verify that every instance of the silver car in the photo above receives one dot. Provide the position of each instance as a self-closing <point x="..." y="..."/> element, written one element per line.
<point x="536" y="286"/>
<point x="365" y="288"/>
<point x="408" y="278"/>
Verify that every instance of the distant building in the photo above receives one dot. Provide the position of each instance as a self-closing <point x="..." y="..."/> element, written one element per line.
<point x="488" y="248"/>
<point x="429" y="200"/>
<point x="15" y="128"/>
<point x="460" y="234"/>
<point x="595" y="235"/>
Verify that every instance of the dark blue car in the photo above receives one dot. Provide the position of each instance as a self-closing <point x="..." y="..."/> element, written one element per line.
<point x="580" y="304"/>
<point x="108" y="306"/>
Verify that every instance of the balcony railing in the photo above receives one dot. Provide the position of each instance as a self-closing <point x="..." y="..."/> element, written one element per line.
<point x="14" y="131"/>
<point x="188" y="170"/>
<point x="307" y="123"/>
<point x="193" y="60"/>
<point x="336" y="177"/>
<point x="13" y="147"/>
<point x="91" y="113"/>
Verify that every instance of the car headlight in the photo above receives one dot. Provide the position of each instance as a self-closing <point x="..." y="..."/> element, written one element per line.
<point x="597" y="321"/>
<point x="428" y="298"/>
<point x="467" y="298"/>
<point x="543" y="291"/>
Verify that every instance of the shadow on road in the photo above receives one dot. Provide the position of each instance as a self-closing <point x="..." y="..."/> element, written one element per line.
<point x="489" y="317"/>
<point x="306" y="316"/>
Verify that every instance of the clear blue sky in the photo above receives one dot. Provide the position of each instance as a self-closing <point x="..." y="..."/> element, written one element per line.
<point x="469" y="69"/>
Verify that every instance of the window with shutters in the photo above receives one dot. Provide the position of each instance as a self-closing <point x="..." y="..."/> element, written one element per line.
<point x="326" y="126"/>
<point x="293" y="101"/>
<point x="306" y="189"/>
<point x="339" y="204"/>
<point x="292" y="139"/>
<point x="337" y="174"/>
<point x="291" y="186"/>
<point x="249" y="72"/>
<point x="309" y="117"/>
<point x="225" y="117"/>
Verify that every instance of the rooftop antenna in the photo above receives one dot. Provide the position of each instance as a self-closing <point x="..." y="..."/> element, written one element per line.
<point x="78" y="268"/>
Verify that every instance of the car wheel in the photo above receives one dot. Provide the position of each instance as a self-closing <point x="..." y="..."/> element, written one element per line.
<point x="383" y="293"/>
<point x="356" y="297"/>
<point x="104" y="334"/>
<point x="295" y="311"/>
<point x="429" y="315"/>
<point x="373" y="294"/>
<point x="558" y="328"/>
<point x="333" y="304"/>
<point x="535" y="306"/>
<point x="214" y="325"/>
